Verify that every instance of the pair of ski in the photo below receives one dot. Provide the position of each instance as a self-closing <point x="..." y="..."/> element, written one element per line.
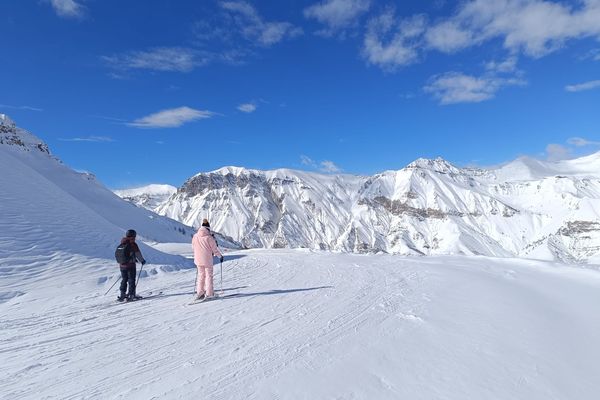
<point x="149" y="295"/>
<point x="204" y="299"/>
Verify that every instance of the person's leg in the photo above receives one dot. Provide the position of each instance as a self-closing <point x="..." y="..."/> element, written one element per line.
<point x="201" y="280"/>
<point x="199" y="288"/>
<point x="209" y="282"/>
<point x="123" y="286"/>
<point x="131" y="275"/>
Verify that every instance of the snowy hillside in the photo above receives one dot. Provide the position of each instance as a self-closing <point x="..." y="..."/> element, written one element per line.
<point x="147" y="196"/>
<point x="51" y="213"/>
<point x="527" y="208"/>
<point x="297" y="324"/>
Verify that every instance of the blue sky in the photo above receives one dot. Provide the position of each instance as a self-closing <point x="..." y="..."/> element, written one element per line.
<point x="155" y="91"/>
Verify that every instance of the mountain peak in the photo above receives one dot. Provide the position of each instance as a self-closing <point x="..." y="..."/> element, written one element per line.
<point x="6" y="121"/>
<point x="437" y="165"/>
<point x="230" y="170"/>
<point x="16" y="137"/>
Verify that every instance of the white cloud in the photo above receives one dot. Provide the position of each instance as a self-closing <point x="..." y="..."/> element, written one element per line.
<point x="323" y="166"/>
<point x="532" y="27"/>
<point x="448" y="37"/>
<point x="247" y="107"/>
<point x="535" y="27"/>
<point x="26" y="108"/>
<point x="583" y="86"/>
<point x="330" y="167"/>
<point x="507" y="66"/>
<point x="305" y="160"/>
<point x="581" y="142"/>
<point x="178" y="59"/>
<point x="96" y="139"/>
<point x="557" y="152"/>
<point x="68" y="8"/>
<point x="454" y="87"/>
<point x="171" y="118"/>
<point x="390" y="44"/>
<point x="252" y="26"/>
<point x="337" y="14"/>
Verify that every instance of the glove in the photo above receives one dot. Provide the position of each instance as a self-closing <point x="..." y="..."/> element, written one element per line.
<point x="144" y="262"/>
<point x="222" y="258"/>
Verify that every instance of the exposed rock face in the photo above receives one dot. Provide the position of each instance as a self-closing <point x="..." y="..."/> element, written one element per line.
<point x="524" y="209"/>
<point x="149" y="197"/>
<point x="11" y="135"/>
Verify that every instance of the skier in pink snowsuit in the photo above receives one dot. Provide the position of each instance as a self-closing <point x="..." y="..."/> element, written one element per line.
<point x="205" y="247"/>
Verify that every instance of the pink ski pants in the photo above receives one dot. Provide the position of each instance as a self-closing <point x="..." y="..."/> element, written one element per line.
<point x="205" y="280"/>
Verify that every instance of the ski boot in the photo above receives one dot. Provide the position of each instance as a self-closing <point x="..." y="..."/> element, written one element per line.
<point x="133" y="297"/>
<point x="200" y="297"/>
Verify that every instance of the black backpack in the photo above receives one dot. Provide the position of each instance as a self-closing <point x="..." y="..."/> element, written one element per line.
<point x="124" y="253"/>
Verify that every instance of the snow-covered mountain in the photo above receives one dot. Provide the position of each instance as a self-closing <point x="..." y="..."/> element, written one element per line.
<point x="527" y="208"/>
<point x="150" y="196"/>
<point x="51" y="213"/>
<point x="296" y="323"/>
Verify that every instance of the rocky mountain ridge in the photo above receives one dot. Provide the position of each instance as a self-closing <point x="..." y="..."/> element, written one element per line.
<point x="527" y="208"/>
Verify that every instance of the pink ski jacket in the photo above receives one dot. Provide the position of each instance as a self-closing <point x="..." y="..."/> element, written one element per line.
<point x="205" y="247"/>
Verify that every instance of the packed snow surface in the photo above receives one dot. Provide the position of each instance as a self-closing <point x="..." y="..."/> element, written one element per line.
<point x="296" y="324"/>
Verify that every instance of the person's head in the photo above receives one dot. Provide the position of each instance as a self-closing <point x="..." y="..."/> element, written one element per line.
<point x="131" y="234"/>
<point x="205" y="223"/>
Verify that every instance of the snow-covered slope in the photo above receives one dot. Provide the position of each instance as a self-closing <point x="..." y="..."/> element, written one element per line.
<point x="297" y="324"/>
<point x="527" y="208"/>
<point x="149" y="196"/>
<point x="51" y="213"/>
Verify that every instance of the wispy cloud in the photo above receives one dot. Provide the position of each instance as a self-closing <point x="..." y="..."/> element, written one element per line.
<point x="306" y="160"/>
<point x="573" y="148"/>
<point x="330" y="167"/>
<point x="326" y="166"/>
<point x="96" y="139"/>
<point x="448" y="37"/>
<point x="506" y="66"/>
<point x="247" y="107"/>
<point x="523" y="25"/>
<point x="68" y="8"/>
<point x="581" y="142"/>
<point x="179" y="59"/>
<point x="557" y="152"/>
<point x="520" y="25"/>
<point x="254" y="28"/>
<point x="455" y="87"/>
<point x="171" y="118"/>
<point x="391" y="44"/>
<point x="583" y="86"/>
<point x="26" y="108"/>
<point x="337" y="15"/>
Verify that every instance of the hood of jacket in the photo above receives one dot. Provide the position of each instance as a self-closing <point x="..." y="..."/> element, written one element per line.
<point x="204" y="231"/>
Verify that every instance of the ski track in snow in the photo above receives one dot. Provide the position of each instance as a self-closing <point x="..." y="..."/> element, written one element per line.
<point x="295" y="324"/>
<point x="51" y="349"/>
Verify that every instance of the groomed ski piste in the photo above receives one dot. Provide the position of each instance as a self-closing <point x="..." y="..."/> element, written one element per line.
<point x="290" y="324"/>
<point x="295" y="324"/>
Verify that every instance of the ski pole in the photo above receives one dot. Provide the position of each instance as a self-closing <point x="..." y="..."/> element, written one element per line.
<point x="138" y="278"/>
<point x="196" y="281"/>
<point x="113" y="285"/>
<point x="221" y="277"/>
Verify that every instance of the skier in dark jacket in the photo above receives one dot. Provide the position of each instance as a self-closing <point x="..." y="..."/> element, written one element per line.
<point x="128" y="270"/>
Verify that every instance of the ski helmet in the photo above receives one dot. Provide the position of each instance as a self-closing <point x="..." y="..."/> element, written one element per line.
<point x="131" y="233"/>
